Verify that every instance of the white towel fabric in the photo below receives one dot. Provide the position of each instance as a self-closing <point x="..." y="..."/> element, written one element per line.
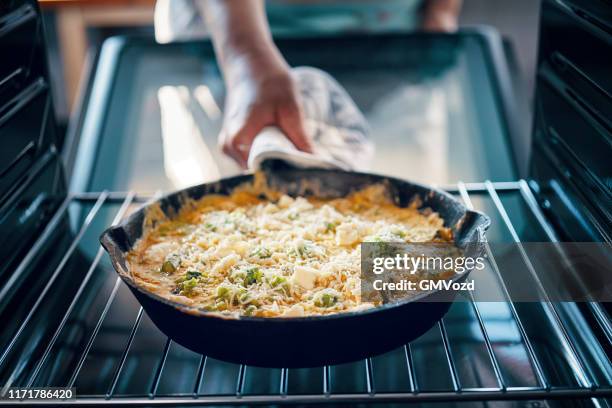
<point x="337" y="130"/>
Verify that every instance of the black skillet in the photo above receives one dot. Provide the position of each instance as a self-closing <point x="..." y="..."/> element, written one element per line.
<point x="304" y="341"/>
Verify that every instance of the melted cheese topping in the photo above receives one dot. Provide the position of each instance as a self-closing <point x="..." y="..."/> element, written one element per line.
<point x="244" y="255"/>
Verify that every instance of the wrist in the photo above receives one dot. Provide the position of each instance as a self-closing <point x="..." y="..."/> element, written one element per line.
<point x="251" y="57"/>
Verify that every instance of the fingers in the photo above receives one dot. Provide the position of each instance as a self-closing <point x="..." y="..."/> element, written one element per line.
<point x="227" y="148"/>
<point x="237" y="143"/>
<point x="236" y="140"/>
<point x="291" y="122"/>
<point x="249" y="109"/>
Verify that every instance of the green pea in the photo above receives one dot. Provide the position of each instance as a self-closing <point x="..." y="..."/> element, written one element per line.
<point x="193" y="274"/>
<point x="326" y="300"/>
<point x="253" y="275"/>
<point x="262" y="253"/>
<point x="223" y="292"/>
<point x="244" y="297"/>
<point x="238" y="276"/>
<point x="330" y="226"/>
<point x="188" y="286"/>
<point x="171" y="263"/>
<point x="278" y="280"/>
<point x="280" y="283"/>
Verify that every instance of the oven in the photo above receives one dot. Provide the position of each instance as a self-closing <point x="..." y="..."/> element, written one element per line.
<point x="68" y="321"/>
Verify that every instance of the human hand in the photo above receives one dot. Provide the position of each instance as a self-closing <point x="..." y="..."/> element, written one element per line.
<point x="260" y="93"/>
<point x="260" y="89"/>
<point x="441" y="15"/>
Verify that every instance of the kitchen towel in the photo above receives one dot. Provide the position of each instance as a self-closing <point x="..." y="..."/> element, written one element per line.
<point x="337" y="130"/>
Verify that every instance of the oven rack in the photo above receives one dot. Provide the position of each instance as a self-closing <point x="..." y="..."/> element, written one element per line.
<point x="590" y="383"/>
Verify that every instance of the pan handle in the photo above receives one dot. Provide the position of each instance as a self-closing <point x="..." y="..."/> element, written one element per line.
<point x="472" y="228"/>
<point x="481" y="220"/>
<point x="114" y="240"/>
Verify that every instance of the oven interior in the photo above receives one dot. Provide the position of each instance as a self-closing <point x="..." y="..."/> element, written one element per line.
<point x="67" y="320"/>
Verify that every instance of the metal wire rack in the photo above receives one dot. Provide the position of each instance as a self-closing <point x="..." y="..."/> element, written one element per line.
<point x="28" y="360"/>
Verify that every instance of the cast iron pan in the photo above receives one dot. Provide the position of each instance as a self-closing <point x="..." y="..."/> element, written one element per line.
<point x="305" y="341"/>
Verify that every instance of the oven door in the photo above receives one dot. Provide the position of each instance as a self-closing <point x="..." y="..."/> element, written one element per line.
<point x="440" y="108"/>
<point x="441" y="112"/>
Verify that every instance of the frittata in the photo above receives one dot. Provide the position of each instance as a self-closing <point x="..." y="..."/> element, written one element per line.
<point x="254" y="255"/>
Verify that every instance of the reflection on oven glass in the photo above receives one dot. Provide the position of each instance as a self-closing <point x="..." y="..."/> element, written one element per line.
<point x="187" y="160"/>
<point x="416" y="116"/>
<point x="434" y="117"/>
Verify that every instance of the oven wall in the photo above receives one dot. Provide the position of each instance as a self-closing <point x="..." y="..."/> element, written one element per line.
<point x="573" y="125"/>
<point x="31" y="177"/>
